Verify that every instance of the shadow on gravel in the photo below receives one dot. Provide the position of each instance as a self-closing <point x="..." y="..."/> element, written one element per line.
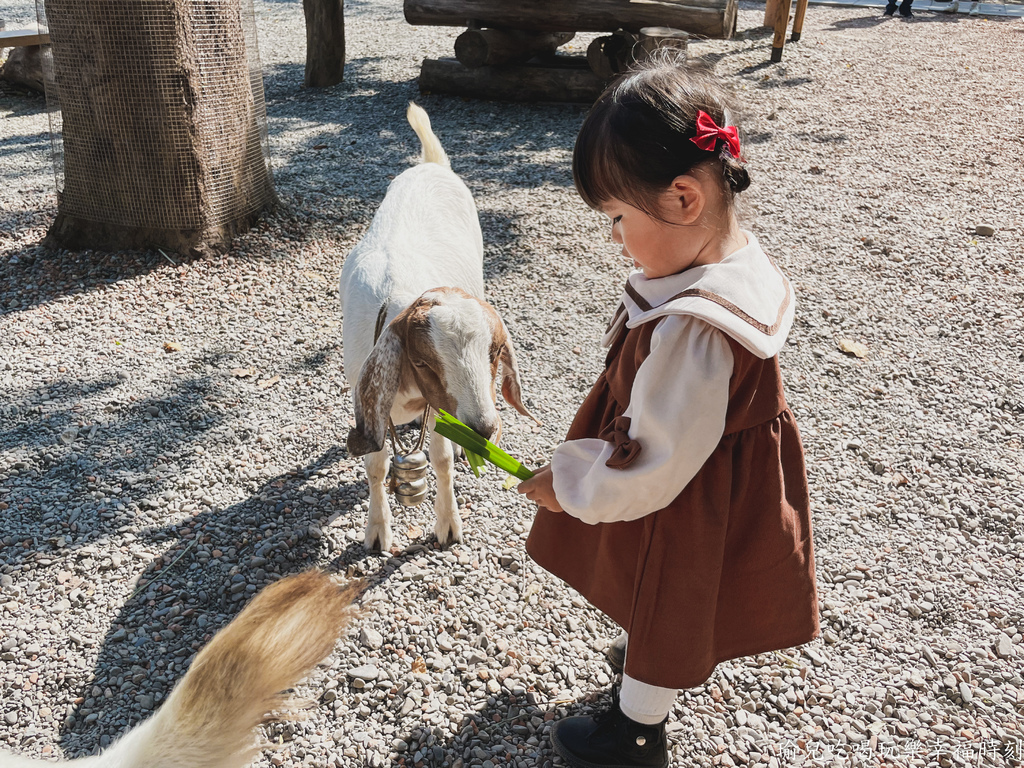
<point x="215" y="562"/>
<point x="11" y="147"/>
<point x="21" y="101"/>
<point x="513" y="728"/>
<point x="487" y="142"/>
<point x="40" y="276"/>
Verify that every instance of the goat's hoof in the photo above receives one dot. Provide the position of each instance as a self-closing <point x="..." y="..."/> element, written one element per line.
<point x="448" y="534"/>
<point x="377" y="539"/>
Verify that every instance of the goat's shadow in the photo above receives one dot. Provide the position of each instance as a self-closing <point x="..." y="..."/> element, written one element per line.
<point x="215" y="563"/>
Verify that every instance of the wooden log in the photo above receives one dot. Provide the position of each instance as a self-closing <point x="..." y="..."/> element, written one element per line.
<point x="609" y="55"/>
<point x="710" y="18"/>
<point x="771" y="8"/>
<point x="325" y="42"/>
<point x="566" y="84"/>
<point x="493" y="47"/>
<point x="652" y="39"/>
<point x="780" y="25"/>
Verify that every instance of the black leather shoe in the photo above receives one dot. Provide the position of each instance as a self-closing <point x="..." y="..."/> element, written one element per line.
<point x="905" y="11"/>
<point x="610" y="740"/>
<point x="889" y="10"/>
<point x="616" y="653"/>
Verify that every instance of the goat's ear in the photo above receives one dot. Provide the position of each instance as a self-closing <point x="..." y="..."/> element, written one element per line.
<point x="510" y="388"/>
<point x="374" y="394"/>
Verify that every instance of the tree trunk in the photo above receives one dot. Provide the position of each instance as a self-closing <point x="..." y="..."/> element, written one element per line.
<point x="711" y="18"/>
<point x="325" y="42"/>
<point x="161" y="125"/>
<point x="576" y="84"/>
<point x="494" y="47"/>
<point x="656" y="38"/>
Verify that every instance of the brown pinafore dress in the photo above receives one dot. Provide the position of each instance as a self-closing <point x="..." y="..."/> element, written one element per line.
<point x="726" y="569"/>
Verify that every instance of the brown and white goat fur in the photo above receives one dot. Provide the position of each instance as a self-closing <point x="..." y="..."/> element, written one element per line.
<point x="421" y="262"/>
<point x="209" y="720"/>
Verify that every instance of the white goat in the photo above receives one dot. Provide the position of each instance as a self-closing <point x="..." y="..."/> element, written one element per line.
<point x="418" y="275"/>
<point x="209" y="720"/>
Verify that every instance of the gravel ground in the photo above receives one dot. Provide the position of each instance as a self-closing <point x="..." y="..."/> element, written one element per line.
<point x="146" y="494"/>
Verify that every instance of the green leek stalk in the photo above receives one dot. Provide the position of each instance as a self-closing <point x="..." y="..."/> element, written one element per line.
<point x="478" y="448"/>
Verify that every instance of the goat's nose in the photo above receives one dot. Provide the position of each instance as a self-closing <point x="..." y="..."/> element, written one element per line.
<point x="484" y="426"/>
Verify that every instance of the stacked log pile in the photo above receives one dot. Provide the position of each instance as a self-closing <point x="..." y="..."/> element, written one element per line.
<point x="509" y="51"/>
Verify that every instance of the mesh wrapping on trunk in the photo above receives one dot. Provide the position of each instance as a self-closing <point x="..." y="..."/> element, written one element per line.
<point x="157" y="112"/>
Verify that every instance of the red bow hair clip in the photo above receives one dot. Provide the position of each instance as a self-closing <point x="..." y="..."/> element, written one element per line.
<point x="709" y="132"/>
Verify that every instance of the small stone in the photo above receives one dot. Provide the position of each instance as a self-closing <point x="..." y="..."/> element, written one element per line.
<point x="1003" y="646"/>
<point x="365" y="672"/>
<point x="371" y="638"/>
<point x="985" y="230"/>
<point x="965" y="693"/>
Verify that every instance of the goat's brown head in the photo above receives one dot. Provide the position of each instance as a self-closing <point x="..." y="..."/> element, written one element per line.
<point x="447" y="345"/>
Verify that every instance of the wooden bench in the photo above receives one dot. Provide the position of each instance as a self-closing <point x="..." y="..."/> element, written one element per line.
<point x="20" y="38"/>
<point x="776" y="16"/>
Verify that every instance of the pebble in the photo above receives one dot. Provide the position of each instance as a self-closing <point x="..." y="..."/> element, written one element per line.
<point x="366" y="672"/>
<point x="985" y="230"/>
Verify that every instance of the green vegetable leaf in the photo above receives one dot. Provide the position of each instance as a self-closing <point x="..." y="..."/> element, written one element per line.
<point x="477" y="447"/>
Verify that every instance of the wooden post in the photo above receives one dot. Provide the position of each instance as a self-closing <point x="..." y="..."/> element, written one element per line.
<point x="798" y="20"/>
<point x="781" y="22"/>
<point x="325" y="42"/>
<point x="577" y="85"/>
<point x="493" y="47"/>
<point x="771" y="8"/>
<point x="710" y="18"/>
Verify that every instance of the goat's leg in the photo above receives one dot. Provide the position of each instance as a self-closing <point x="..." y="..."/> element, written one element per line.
<point x="378" y="523"/>
<point x="448" y="525"/>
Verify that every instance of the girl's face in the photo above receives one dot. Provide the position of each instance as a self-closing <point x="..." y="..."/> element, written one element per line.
<point x="656" y="247"/>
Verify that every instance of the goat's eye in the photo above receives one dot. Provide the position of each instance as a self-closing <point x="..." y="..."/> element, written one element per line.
<point x="419" y="364"/>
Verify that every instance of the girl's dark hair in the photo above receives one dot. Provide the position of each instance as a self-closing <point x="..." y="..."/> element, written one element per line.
<point x="636" y="139"/>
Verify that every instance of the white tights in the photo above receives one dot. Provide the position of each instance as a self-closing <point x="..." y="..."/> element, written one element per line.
<point x="647" y="704"/>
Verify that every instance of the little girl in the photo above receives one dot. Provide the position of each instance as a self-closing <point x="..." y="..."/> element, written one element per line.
<point x="678" y="504"/>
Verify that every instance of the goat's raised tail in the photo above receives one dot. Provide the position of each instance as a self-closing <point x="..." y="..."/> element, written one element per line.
<point x="209" y="719"/>
<point x="433" y="152"/>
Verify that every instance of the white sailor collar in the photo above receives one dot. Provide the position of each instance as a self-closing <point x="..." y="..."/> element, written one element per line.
<point x="745" y="296"/>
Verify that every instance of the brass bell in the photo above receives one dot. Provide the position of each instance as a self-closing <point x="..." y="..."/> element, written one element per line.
<point x="409" y="467"/>
<point x="411" y="493"/>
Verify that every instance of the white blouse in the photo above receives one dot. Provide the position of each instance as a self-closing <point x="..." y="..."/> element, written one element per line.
<point x="677" y="414"/>
<point x="680" y="395"/>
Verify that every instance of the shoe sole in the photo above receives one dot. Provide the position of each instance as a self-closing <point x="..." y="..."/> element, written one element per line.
<point x="576" y="762"/>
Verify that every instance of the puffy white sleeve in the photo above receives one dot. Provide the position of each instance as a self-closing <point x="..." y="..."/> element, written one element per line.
<point x="676" y="414"/>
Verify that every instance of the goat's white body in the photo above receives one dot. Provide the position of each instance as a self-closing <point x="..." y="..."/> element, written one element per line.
<point x="426" y="234"/>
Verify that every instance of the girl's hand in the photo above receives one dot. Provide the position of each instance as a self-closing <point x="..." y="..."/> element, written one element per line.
<point x="540" y="490"/>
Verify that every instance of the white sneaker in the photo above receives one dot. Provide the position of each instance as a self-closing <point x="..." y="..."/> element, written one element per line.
<point x="953" y="7"/>
<point x="974" y="9"/>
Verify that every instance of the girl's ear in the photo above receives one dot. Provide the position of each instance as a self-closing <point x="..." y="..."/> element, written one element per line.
<point x="688" y="198"/>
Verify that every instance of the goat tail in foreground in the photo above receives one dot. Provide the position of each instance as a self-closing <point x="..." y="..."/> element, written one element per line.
<point x="236" y="681"/>
<point x="433" y="152"/>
